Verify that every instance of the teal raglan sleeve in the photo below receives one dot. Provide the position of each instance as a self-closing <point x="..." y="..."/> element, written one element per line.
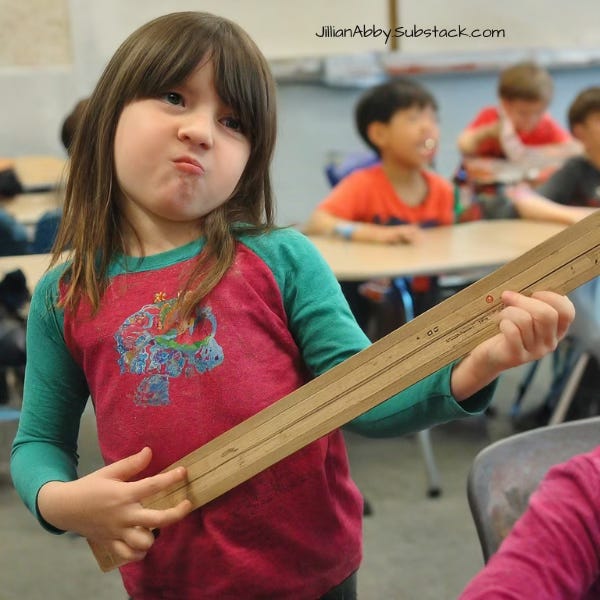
<point x="327" y="333"/>
<point x="54" y="396"/>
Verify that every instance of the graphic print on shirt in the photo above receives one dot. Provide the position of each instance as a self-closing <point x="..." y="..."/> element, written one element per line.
<point x="149" y="343"/>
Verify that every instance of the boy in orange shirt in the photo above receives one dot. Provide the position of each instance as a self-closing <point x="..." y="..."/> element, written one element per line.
<point x="390" y="201"/>
<point x="387" y="202"/>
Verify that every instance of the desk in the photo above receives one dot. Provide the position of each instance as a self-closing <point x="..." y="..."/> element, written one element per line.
<point x="477" y="245"/>
<point x="33" y="265"/>
<point x="39" y="171"/>
<point x="28" y="208"/>
<point x="443" y="250"/>
<point x="486" y="171"/>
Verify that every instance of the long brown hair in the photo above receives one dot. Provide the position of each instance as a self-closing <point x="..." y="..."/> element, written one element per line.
<point x="158" y="56"/>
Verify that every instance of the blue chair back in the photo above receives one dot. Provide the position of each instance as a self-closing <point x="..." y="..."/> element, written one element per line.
<point x="339" y="166"/>
<point x="45" y="232"/>
<point x="13" y="236"/>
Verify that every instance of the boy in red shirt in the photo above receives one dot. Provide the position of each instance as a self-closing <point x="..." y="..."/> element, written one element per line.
<point x="515" y="141"/>
<point x="519" y="128"/>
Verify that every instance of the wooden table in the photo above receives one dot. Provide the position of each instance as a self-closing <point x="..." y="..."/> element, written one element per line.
<point x="39" y="171"/>
<point x="33" y="265"/>
<point x="443" y="250"/>
<point x="28" y="208"/>
<point x="532" y="169"/>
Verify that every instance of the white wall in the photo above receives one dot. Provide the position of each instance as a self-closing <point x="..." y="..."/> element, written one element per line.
<point x="314" y="119"/>
<point x="527" y="23"/>
<point x="35" y="99"/>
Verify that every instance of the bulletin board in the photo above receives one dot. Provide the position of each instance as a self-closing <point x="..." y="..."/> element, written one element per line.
<point x="34" y="33"/>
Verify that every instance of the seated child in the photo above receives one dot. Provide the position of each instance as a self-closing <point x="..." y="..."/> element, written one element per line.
<point x="47" y="227"/>
<point x="10" y="185"/>
<point x="575" y="192"/>
<point x="520" y="126"/>
<point x="512" y="142"/>
<point x="70" y="123"/>
<point x="389" y="202"/>
<point x="553" y="551"/>
<point x="577" y="183"/>
<point x="13" y="236"/>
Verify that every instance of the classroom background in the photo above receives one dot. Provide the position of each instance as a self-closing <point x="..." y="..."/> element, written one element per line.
<point x="52" y="52"/>
<point x="57" y="48"/>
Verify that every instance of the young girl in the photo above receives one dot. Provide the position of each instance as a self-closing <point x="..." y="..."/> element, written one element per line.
<point x="183" y="311"/>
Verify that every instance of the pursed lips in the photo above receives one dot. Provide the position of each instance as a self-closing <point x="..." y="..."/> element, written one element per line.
<point x="189" y="165"/>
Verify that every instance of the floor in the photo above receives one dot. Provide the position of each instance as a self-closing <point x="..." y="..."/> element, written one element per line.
<point x="416" y="548"/>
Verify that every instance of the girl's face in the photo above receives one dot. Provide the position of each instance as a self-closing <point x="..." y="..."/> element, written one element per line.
<point x="178" y="156"/>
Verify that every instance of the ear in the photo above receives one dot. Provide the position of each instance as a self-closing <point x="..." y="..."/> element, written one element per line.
<point x="377" y="132"/>
<point x="579" y="131"/>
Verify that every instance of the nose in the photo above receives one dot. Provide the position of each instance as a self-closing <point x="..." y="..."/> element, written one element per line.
<point x="197" y="128"/>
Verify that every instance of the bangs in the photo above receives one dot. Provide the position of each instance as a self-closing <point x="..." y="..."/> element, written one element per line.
<point x="239" y="68"/>
<point x="162" y="54"/>
<point x="241" y="81"/>
<point x="409" y="94"/>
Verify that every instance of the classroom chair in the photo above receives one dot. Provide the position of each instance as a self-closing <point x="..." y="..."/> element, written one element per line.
<point x="567" y="397"/>
<point x="340" y="164"/>
<point x="9" y="420"/>
<point x="14" y="240"/>
<point x="506" y="473"/>
<point x="45" y="231"/>
<point x="14" y="296"/>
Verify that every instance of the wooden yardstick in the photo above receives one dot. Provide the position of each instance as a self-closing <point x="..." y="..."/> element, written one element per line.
<point x="443" y="334"/>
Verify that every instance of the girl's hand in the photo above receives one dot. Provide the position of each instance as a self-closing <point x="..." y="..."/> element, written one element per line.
<point x="511" y="143"/>
<point x="105" y="506"/>
<point x="530" y="328"/>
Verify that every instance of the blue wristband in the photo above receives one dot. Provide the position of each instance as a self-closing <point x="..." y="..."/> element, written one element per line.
<point x="345" y="230"/>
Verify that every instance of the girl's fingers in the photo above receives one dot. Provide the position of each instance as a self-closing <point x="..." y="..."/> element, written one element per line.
<point x="157" y="483"/>
<point x="157" y="519"/>
<point x="543" y="305"/>
<point x="128" y="467"/>
<point x="532" y="326"/>
<point x="524" y="325"/>
<point x="563" y="306"/>
<point x="122" y="552"/>
<point x="139" y="539"/>
<point x="512" y="337"/>
<point x="546" y="318"/>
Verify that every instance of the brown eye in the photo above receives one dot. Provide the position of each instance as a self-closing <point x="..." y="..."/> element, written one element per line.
<point x="173" y="98"/>
<point x="232" y="123"/>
